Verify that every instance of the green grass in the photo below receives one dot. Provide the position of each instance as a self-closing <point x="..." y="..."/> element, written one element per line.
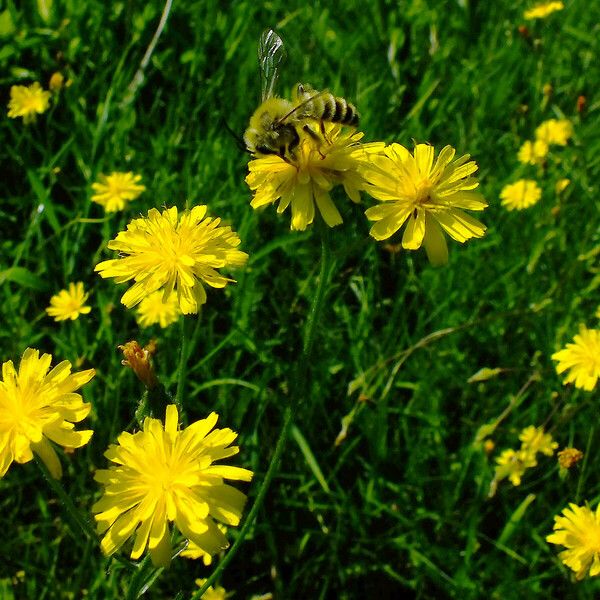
<point x="401" y="504"/>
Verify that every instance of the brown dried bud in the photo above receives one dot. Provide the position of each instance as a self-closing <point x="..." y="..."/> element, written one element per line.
<point x="581" y="103"/>
<point x="57" y="81"/>
<point x="140" y="360"/>
<point x="568" y="457"/>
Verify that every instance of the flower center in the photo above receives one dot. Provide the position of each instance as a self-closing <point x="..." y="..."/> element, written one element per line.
<point x="423" y="191"/>
<point x="591" y="539"/>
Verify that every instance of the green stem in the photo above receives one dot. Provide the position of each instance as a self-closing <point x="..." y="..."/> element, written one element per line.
<point x="182" y="371"/>
<point x="297" y="389"/>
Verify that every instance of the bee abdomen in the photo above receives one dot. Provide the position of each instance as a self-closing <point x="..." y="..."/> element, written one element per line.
<point x="344" y="113"/>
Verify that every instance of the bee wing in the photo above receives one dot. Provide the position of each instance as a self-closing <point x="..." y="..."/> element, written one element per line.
<point x="270" y="54"/>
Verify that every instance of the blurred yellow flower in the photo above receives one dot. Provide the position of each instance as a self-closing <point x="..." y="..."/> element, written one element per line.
<point x="555" y="131"/>
<point x="306" y="176"/>
<point x="569" y="457"/>
<point x="69" y="304"/>
<point x="561" y="185"/>
<point x="116" y="190"/>
<point x="211" y="593"/>
<point x="166" y="474"/>
<point x="542" y="10"/>
<point x="533" y="153"/>
<point x="534" y="440"/>
<point x="512" y="464"/>
<point x="37" y="407"/>
<point x="154" y="309"/>
<point x="581" y="358"/>
<point x="57" y="80"/>
<point x="578" y="530"/>
<point x="194" y="552"/>
<point x="521" y="194"/>
<point x="428" y="196"/>
<point x="28" y="102"/>
<point x="175" y="254"/>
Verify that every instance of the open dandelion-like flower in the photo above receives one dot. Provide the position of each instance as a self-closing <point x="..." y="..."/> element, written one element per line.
<point x="37" y="407"/>
<point x="116" y="190"/>
<point x="154" y="309"/>
<point x="533" y="153"/>
<point x="512" y="464"/>
<point x="69" y="303"/>
<point x="534" y="440"/>
<point x="28" y="102"/>
<point x="521" y="194"/>
<point x="555" y="131"/>
<point x="578" y="530"/>
<point x="428" y="196"/>
<point x="542" y="10"/>
<point x="305" y="177"/>
<point x="581" y="359"/>
<point x="163" y="475"/>
<point x="173" y="253"/>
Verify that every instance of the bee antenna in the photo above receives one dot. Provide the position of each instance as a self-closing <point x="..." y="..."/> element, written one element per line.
<point x="238" y="140"/>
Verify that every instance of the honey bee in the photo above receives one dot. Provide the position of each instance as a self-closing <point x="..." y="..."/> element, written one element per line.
<point x="274" y="126"/>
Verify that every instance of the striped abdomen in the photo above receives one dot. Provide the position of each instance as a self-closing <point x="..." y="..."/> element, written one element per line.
<point x="326" y="107"/>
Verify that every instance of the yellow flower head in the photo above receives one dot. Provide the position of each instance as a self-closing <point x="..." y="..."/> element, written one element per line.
<point x="173" y="253"/>
<point x="211" y="593"/>
<point x="114" y="191"/>
<point x="534" y="440"/>
<point x="512" y="464"/>
<point x="561" y="185"/>
<point x="533" y="153"/>
<point x="581" y="358"/>
<point x="28" y="102"/>
<point x="69" y="304"/>
<point x="578" y="530"/>
<point x="521" y="194"/>
<point x="542" y="10"/>
<point x="429" y="195"/>
<point x="555" y="131"/>
<point x="306" y="176"/>
<point x="162" y="475"/>
<point x="37" y="406"/>
<point x="152" y="309"/>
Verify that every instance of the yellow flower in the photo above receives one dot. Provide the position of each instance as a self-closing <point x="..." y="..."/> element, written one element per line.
<point x="114" y="191"/>
<point x="578" y="530"/>
<point x="534" y="440"/>
<point x="167" y="252"/>
<point x="306" y="176"/>
<point x="581" y="358"/>
<point x="542" y="10"/>
<point x="561" y="185"/>
<point x="211" y="593"/>
<point x="28" y="102"/>
<point x="152" y="309"/>
<point x="512" y="464"/>
<point x="569" y="457"/>
<point x="57" y="81"/>
<point x="521" y="194"/>
<point x="194" y="552"/>
<point x="533" y="153"/>
<point x="69" y="304"/>
<point x="37" y="406"/>
<point x="430" y="196"/>
<point x="165" y="475"/>
<point x="554" y="131"/>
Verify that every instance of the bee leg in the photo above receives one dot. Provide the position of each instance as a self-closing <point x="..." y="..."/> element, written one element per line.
<point x="315" y="136"/>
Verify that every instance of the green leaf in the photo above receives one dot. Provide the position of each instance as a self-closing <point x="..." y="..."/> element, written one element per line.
<point x="23" y="277"/>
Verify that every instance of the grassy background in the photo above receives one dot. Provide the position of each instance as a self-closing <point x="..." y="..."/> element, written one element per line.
<point x="402" y="503"/>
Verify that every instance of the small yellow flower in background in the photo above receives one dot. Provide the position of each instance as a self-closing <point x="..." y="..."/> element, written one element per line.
<point x="37" y="407"/>
<point x="211" y="593"/>
<point x="194" y="552"/>
<point x="561" y="185"/>
<point x="555" y="131"/>
<point x="569" y="457"/>
<point x="116" y="190"/>
<point x="28" y="102"/>
<point x="581" y="359"/>
<point x="163" y="475"/>
<point x="57" y="81"/>
<point x="512" y="464"/>
<point x="305" y="177"/>
<point x="173" y="253"/>
<point x="542" y="10"/>
<point x="534" y="440"/>
<point x="152" y="309"/>
<point x="578" y="530"/>
<point x="521" y="194"/>
<point x="428" y="196"/>
<point x="69" y="303"/>
<point x="533" y="153"/>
